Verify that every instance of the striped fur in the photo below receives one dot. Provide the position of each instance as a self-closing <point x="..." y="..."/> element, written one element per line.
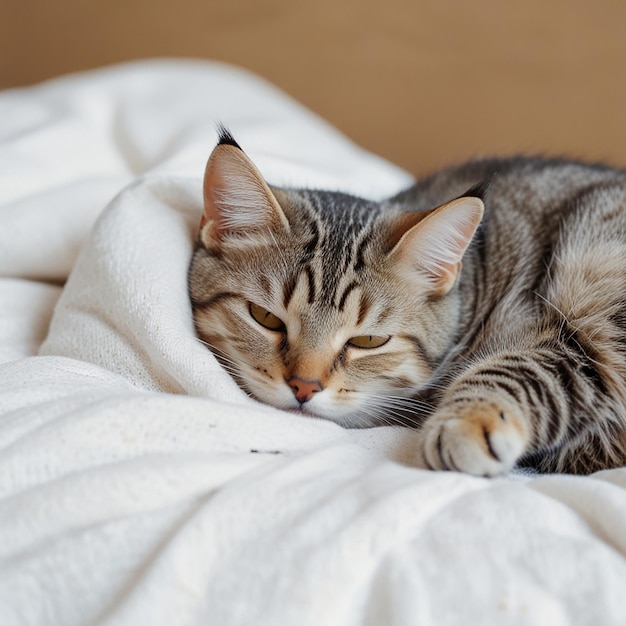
<point x="517" y="356"/>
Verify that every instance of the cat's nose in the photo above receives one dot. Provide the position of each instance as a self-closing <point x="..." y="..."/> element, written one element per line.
<point x="304" y="389"/>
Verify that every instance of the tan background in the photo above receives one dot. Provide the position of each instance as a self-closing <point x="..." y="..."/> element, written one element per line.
<point x="421" y="83"/>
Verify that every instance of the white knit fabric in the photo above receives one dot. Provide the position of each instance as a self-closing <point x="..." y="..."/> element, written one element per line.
<point x="140" y="486"/>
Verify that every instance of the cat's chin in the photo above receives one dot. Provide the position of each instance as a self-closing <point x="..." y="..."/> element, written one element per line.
<point x="323" y="406"/>
<point x="346" y="419"/>
<point x="304" y="412"/>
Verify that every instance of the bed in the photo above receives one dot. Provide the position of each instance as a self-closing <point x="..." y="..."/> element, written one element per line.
<point x="140" y="486"/>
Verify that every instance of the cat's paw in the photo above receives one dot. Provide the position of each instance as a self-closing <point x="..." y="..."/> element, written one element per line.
<point x="483" y="438"/>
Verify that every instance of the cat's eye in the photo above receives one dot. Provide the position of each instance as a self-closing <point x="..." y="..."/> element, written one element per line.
<point x="265" y="318"/>
<point x="368" y="341"/>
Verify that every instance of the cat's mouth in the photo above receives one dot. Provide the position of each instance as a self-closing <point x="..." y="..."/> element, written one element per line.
<point x="345" y="420"/>
<point x="321" y="407"/>
<point x="304" y="410"/>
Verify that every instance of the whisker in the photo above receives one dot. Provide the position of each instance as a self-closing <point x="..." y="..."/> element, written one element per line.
<point x="394" y="410"/>
<point x="398" y="401"/>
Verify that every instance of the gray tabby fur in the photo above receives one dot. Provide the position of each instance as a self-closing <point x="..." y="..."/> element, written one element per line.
<point x="519" y="359"/>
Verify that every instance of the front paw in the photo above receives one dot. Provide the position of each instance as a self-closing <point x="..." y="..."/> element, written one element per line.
<point x="483" y="438"/>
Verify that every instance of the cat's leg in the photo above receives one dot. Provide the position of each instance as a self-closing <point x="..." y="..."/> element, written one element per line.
<point x="501" y="408"/>
<point x="478" y="428"/>
<point x="484" y="436"/>
<point x="555" y="396"/>
<point x="553" y="407"/>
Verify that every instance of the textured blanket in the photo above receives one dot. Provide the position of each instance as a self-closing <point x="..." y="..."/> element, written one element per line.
<point x="140" y="486"/>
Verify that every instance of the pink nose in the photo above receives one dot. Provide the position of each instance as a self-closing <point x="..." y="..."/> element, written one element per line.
<point x="304" y="389"/>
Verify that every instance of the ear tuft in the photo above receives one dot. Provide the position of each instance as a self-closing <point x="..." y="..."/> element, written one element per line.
<point x="225" y="137"/>
<point x="479" y="190"/>
<point x="434" y="247"/>
<point x="237" y="201"/>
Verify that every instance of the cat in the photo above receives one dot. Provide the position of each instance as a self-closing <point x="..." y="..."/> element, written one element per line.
<point x="485" y="304"/>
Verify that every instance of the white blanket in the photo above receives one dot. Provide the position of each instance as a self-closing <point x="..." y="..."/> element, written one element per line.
<point x="140" y="486"/>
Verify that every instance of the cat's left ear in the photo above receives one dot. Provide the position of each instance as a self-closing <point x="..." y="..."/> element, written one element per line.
<point x="237" y="200"/>
<point x="434" y="247"/>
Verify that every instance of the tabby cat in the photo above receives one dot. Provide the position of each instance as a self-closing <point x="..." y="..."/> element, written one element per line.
<point x="494" y="318"/>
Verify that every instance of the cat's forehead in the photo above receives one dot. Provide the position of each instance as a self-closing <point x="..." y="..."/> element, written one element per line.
<point x="332" y="209"/>
<point x="335" y="244"/>
<point x="323" y="301"/>
<point x="335" y="231"/>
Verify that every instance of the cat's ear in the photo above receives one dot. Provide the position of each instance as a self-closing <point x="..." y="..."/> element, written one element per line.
<point x="237" y="201"/>
<point x="434" y="246"/>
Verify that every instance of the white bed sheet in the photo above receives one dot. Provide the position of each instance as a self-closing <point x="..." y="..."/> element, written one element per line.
<point x="140" y="486"/>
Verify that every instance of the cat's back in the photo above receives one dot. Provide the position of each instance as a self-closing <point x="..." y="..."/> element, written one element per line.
<point x="528" y="185"/>
<point x="553" y="234"/>
<point x="531" y="204"/>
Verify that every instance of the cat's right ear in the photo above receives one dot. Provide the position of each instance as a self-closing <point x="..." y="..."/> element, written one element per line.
<point x="237" y="201"/>
<point x="435" y="242"/>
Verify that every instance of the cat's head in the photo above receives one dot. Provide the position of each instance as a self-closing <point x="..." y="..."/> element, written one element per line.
<point x="323" y="302"/>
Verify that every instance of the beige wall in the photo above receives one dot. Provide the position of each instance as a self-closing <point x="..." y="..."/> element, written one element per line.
<point x="422" y="83"/>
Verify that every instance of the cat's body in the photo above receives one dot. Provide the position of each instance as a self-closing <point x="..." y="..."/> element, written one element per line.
<point x="347" y="309"/>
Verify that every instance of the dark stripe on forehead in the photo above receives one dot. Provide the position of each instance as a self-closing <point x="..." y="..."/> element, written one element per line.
<point x="311" y="281"/>
<point x="311" y="245"/>
<point x="359" y="262"/>
<point x="344" y="296"/>
<point x="346" y="259"/>
<point x="288" y="289"/>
